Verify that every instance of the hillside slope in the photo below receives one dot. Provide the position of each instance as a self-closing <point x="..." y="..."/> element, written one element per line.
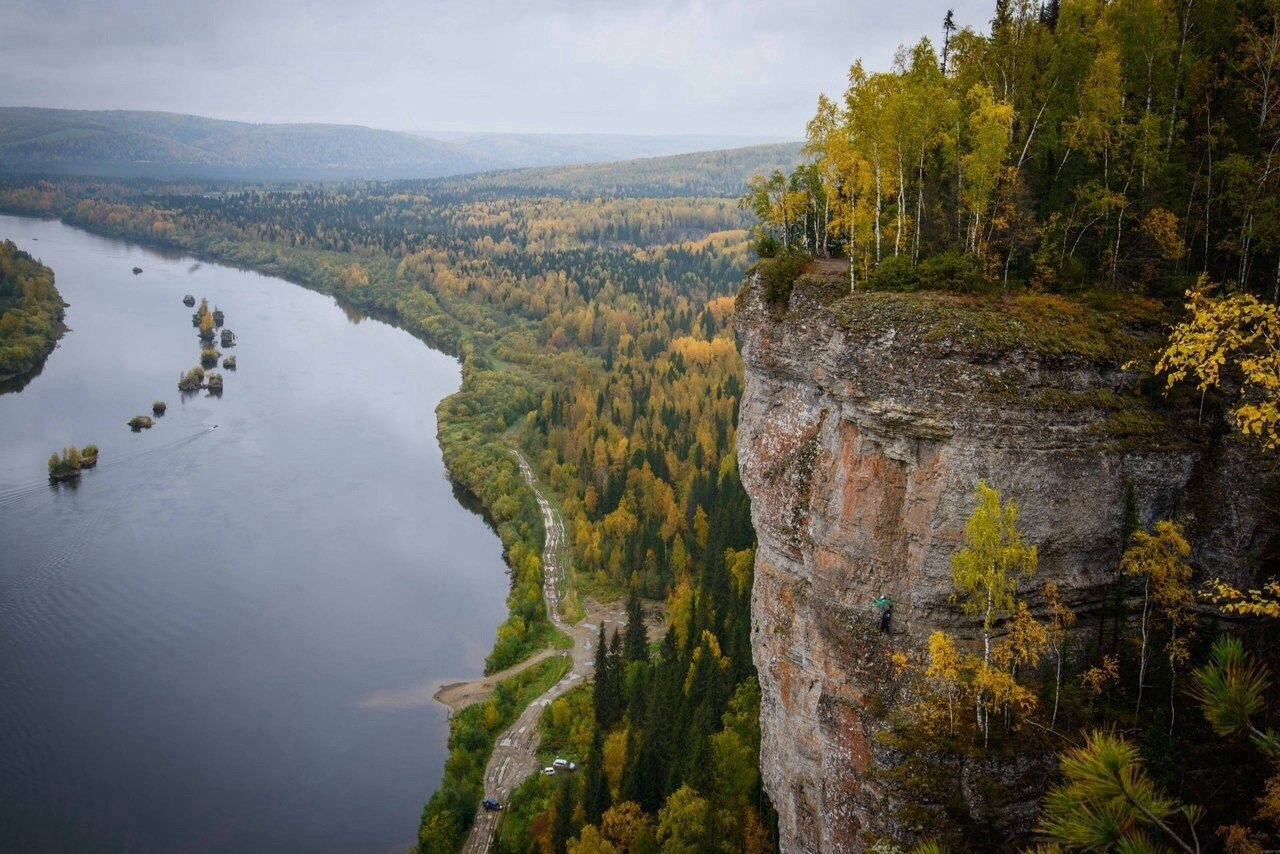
<point x="125" y="143"/>
<point x="706" y="173"/>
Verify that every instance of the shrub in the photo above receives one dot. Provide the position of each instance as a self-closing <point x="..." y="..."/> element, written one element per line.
<point x="950" y="271"/>
<point x="89" y="451"/>
<point x="779" y="275"/>
<point x="767" y="246"/>
<point x="894" y="273"/>
<point x="192" y="379"/>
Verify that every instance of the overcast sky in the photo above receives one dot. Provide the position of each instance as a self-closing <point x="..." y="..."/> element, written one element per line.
<point x="614" y="66"/>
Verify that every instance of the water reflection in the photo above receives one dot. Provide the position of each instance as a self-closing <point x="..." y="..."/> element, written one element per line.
<point x="187" y="633"/>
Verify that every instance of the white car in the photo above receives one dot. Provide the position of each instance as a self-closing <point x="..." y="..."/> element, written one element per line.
<point x="564" y="765"/>
<point x="549" y="771"/>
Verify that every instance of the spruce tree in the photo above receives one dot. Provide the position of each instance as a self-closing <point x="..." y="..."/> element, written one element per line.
<point x="601" y="695"/>
<point x="636" y="640"/>
<point x="563" y="828"/>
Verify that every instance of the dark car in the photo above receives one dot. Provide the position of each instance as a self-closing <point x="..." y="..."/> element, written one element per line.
<point x="491" y="804"/>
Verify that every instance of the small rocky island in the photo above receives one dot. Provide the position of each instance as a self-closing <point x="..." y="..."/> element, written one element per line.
<point x="214" y="383"/>
<point x="137" y="270"/>
<point x="209" y="357"/>
<point x="228" y="338"/>
<point x="141" y="422"/>
<point x="229" y="363"/>
<point x="188" y="300"/>
<point x="218" y="316"/>
<point x="68" y="465"/>
<point x="192" y="380"/>
<point x="159" y="407"/>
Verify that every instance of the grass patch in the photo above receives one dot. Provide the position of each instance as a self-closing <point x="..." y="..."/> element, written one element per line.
<point x="1111" y="331"/>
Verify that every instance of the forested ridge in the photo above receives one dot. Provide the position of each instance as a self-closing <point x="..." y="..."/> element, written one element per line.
<point x="1076" y="144"/>
<point x="595" y="332"/>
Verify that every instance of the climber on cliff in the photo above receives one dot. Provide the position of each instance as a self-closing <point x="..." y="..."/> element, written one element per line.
<point x="885" y="604"/>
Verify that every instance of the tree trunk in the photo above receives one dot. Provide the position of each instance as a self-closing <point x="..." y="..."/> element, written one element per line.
<point x="1142" y="660"/>
<point x="1057" y="689"/>
<point x="878" y="202"/>
<point x="915" y="238"/>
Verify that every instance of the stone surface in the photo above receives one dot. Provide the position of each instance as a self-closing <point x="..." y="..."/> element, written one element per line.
<point x="860" y="445"/>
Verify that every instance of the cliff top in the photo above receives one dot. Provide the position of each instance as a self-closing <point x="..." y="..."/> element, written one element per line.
<point x="1099" y="327"/>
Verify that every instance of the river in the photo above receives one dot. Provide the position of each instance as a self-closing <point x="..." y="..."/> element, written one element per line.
<point x="226" y="639"/>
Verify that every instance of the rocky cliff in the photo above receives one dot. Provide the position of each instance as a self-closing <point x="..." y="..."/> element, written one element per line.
<point x="865" y="424"/>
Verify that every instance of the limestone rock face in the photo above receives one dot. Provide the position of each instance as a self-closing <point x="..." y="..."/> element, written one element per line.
<point x="860" y="445"/>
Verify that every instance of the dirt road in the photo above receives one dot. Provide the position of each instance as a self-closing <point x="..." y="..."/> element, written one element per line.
<point x="515" y="754"/>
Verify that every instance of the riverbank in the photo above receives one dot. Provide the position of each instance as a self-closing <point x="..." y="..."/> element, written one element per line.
<point x="471" y="423"/>
<point x="31" y="313"/>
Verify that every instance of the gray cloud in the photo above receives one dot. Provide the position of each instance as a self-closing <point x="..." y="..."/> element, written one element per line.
<point x="645" y="66"/>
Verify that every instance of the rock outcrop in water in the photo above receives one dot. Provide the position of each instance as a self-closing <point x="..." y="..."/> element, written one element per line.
<point x="865" y="423"/>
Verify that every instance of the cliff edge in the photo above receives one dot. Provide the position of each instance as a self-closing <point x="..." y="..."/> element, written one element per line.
<point x="865" y="424"/>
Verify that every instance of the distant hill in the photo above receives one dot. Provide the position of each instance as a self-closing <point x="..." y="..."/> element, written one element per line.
<point x="517" y="150"/>
<point x="704" y="173"/>
<point x="123" y="143"/>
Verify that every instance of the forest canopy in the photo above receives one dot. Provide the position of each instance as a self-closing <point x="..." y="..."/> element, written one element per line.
<point x="1078" y="144"/>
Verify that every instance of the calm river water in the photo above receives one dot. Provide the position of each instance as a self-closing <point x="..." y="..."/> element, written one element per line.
<point x="226" y="639"/>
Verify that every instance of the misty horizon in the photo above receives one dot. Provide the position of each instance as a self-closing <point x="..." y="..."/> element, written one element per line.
<point x="741" y="68"/>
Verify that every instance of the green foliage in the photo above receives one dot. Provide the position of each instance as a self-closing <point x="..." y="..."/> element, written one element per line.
<point x="141" y="422"/>
<point x="30" y="311"/>
<point x="1109" y="803"/>
<point x="1052" y="157"/>
<point x="1231" y="689"/>
<point x="66" y="464"/>
<point x="565" y="725"/>
<point x="779" y="275"/>
<point x="472" y="732"/>
<point x="192" y="379"/>
<point x="949" y="271"/>
<point x="895" y="273"/>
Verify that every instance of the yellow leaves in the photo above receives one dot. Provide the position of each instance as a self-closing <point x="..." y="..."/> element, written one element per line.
<point x="1161" y="557"/>
<point x="985" y="571"/>
<point x="1102" y="676"/>
<point x="680" y="608"/>
<point x="741" y="566"/>
<point x="354" y="276"/>
<point x="1162" y="227"/>
<point x="1025" y="641"/>
<point x="615" y="755"/>
<point x="1261" y="602"/>
<point x="1236" y="333"/>
<point x="900" y="661"/>
<point x="707" y="654"/>
<point x="944" y="659"/>
<point x="1001" y="690"/>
